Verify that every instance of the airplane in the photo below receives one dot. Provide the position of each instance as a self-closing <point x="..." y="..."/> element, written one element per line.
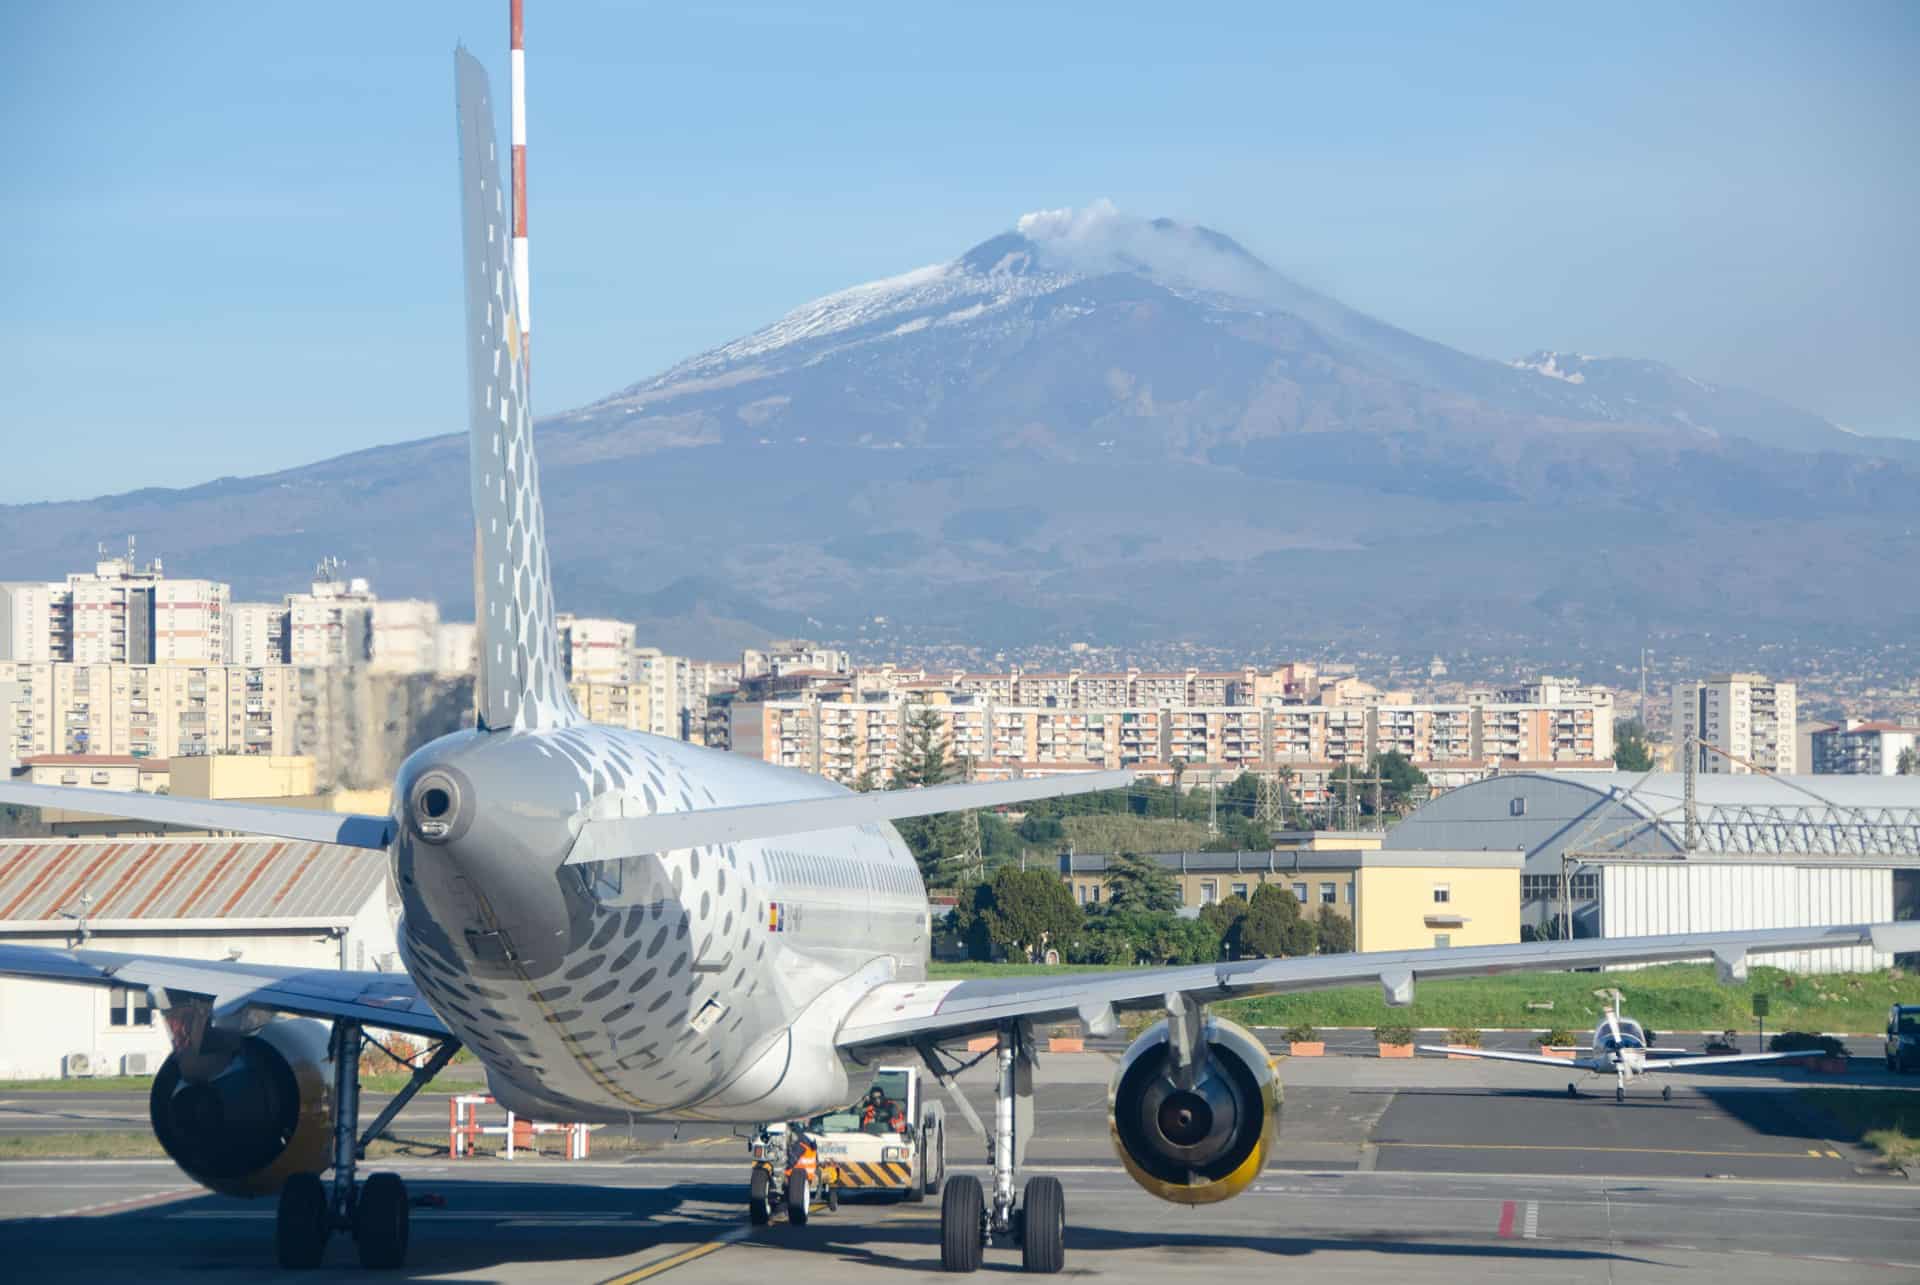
<point x="624" y="927"/>
<point x="1621" y="1048"/>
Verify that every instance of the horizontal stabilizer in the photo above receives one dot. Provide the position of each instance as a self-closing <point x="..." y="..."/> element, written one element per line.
<point x="1498" y="1055"/>
<point x="351" y="829"/>
<point x="616" y="837"/>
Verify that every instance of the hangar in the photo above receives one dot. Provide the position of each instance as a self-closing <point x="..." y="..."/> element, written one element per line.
<point x="1750" y="851"/>
<point x="311" y="905"/>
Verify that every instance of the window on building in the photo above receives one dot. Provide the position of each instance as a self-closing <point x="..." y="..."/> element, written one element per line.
<point x="1442" y="893"/>
<point x="1349" y="892"/>
<point x="1240" y="890"/>
<point x="1300" y="892"/>
<point x="1093" y="892"/>
<point x="1326" y="894"/>
<point x="1517" y="807"/>
<point x="1209" y="891"/>
<point x="129" y="1006"/>
<point x="1442" y="940"/>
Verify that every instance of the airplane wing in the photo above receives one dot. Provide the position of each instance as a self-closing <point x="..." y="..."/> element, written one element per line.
<point x="386" y="1000"/>
<point x="897" y="1013"/>
<point x="1721" y="1059"/>
<point x="350" y="828"/>
<point x="614" y="837"/>
<point x="1496" y="1055"/>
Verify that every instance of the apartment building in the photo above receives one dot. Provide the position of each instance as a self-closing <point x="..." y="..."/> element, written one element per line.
<point x="257" y="633"/>
<point x="332" y="623"/>
<point x="34" y="618"/>
<point x="403" y="636"/>
<point x="616" y="704"/>
<point x="596" y="650"/>
<point x="845" y="732"/>
<point x="1861" y="748"/>
<point x="151" y="711"/>
<point x="1748" y="716"/>
<point x="455" y="648"/>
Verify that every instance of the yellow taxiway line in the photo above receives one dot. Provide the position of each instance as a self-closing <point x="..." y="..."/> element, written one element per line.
<point x="660" y="1266"/>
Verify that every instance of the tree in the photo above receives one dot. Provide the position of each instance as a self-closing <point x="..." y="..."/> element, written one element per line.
<point x="1631" y="752"/>
<point x="1908" y="763"/>
<point x="924" y="759"/>
<point x="1333" y="932"/>
<point x="1224" y="918"/>
<point x="1273" y="927"/>
<point x="1135" y="882"/>
<point x="1028" y="911"/>
<point x="1401" y="783"/>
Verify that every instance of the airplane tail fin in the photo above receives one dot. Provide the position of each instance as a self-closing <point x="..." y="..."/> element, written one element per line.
<point x="519" y="683"/>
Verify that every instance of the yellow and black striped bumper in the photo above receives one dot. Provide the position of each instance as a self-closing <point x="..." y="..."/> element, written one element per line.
<point x="862" y="1176"/>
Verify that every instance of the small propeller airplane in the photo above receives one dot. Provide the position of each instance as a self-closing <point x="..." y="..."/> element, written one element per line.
<point x="1623" y="1049"/>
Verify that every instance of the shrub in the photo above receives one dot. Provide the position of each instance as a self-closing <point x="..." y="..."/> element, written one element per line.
<point x="1393" y="1034"/>
<point x="1558" y="1036"/>
<point x="1302" y="1034"/>
<point x="1806" y="1042"/>
<point x="1467" y="1037"/>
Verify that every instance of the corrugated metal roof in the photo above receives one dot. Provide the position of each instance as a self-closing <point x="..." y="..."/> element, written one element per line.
<point x="162" y="880"/>
<point x="1759" y="789"/>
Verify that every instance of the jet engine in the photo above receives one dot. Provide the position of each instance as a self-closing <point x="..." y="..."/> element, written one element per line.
<point x="1200" y="1136"/>
<point x="244" y="1118"/>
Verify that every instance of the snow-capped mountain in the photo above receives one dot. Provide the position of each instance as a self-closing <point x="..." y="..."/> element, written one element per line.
<point x="1094" y="426"/>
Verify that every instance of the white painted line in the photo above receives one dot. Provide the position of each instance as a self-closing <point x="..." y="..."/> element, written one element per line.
<point x="1530" y="1228"/>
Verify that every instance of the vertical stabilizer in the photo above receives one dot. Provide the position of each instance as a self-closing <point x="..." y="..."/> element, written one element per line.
<point x="518" y="682"/>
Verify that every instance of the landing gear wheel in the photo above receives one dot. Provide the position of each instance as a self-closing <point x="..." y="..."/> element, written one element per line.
<point x="1666" y="1093"/>
<point x="760" y="1198"/>
<point x="962" y="1216"/>
<point x="1572" y="1092"/>
<point x="916" y="1189"/>
<point x="937" y="1171"/>
<point x="300" y="1224"/>
<point x="380" y="1222"/>
<point x="1619" y="1094"/>
<point x="1043" y="1226"/>
<point x="798" y="1194"/>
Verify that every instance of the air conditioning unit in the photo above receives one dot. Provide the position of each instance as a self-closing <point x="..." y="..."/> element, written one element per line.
<point x="79" y="1064"/>
<point x="135" y="1064"/>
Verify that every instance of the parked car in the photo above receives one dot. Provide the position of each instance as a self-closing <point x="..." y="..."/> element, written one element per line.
<point x="1903" y="1037"/>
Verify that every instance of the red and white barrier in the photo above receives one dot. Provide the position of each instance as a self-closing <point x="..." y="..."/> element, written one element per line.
<point x="464" y="1128"/>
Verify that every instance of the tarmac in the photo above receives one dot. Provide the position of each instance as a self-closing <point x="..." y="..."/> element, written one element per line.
<point x="1420" y="1170"/>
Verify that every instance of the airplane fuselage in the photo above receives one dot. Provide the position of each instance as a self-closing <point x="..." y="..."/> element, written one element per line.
<point x="705" y="983"/>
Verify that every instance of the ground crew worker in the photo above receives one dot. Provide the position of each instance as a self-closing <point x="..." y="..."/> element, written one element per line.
<point x="882" y="1113"/>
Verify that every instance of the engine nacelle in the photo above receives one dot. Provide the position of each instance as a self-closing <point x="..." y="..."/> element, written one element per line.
<point x="244" y="1125"/>
<point x="1195" y="1146"/>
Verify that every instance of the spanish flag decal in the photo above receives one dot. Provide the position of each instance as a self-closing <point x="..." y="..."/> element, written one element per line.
<point x="773" y="917"/>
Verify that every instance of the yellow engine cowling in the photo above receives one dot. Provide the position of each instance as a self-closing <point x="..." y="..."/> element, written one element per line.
<point x="250" y="1122"/>
<point x="1195" y="1146"/>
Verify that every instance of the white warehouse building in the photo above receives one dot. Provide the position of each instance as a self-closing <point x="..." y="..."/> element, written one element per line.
<point x="1766" y="852"/>
<point x="267" y="901"/>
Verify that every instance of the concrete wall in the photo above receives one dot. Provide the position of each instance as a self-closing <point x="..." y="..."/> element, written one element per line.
<point x="1396" y="901"/>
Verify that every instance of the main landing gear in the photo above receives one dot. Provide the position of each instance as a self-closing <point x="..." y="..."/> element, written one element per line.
<point x="969" y="1220"/>
<point x="375" y="1211"/>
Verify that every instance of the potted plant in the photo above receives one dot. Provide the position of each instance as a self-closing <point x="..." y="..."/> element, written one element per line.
<point x="1304" y="1041"/>
<point x="1466" y="1037"/>
<point x="1394" y="1040"/>
<point x="1066" y="1038"/>
<point x="1557" y="1042"/>
<point x="1824" y="1053"/>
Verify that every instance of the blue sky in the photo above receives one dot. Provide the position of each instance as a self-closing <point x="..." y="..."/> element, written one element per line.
<point x="233" y="238"/>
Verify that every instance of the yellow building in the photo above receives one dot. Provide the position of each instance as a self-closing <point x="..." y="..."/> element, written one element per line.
<point x="1405" y="900"/>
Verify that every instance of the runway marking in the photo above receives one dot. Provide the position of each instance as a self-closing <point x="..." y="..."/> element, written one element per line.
<point x="648" y="1271"/>
<point x="1506" y="1219"/>
<point x="1530" y="1228"/>
<point x="127" y="1205"/>
<point x="1632" y="1151"/>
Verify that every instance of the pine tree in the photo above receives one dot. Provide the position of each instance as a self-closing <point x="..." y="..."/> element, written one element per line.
<point x="924" y="759"/>
<point x="1135" y="882"/>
